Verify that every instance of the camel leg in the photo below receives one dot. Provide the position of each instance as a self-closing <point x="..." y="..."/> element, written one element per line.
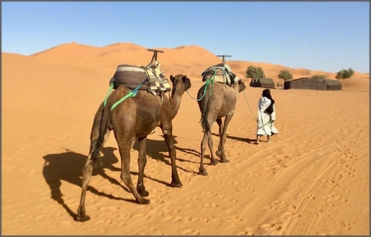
<point x="124" y="149"/>
<point x="93" y="158"/>
<point x="210" y="144"/>
<point x="202" y="170"/>
<point x="167" y="131"/>
<point x="142" y="161"/>
<point x="86" y="176"/>
<point x="106" y="136"/>
<point x="220" y="124"/>
<point x="221" y="152"/>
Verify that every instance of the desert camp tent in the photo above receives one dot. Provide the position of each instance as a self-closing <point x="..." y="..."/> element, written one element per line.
<point x="333" y="85"/>
<point x="312" y="84"/>
<point x="262" y="82"/>
<point x="305" y="83"/>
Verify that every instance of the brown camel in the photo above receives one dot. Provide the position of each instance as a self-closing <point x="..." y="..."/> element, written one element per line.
<point x="218" y="101"/>
<point x="134" y="118"/>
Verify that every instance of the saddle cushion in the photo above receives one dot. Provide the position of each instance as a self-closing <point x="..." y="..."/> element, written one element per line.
<point x="129" y="75"/>
<point x="157" y="80"/>
<point x="132" y="76"/>
<point x="221" y="73"/>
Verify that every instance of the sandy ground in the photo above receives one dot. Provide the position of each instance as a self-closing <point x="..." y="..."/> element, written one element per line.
<point x="312" y="180"/>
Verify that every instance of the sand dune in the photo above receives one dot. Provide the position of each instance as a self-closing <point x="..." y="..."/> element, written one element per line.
<point x="312" y="180"/>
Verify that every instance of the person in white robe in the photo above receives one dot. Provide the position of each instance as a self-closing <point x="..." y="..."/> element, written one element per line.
<point x="266" y="117"/>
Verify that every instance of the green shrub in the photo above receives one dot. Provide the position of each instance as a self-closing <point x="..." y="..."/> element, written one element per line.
<point x="285" y="75"/>
<point x="343" y="74"/>
<point x="319" y="77"/>
<point x="254" y="72"/>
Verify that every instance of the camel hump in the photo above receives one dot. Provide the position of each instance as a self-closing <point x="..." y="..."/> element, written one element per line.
<point x="221" y="73"/>
<point x="148" y="77"/>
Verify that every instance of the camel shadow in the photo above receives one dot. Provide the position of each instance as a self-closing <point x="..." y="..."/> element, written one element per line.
<point x="248" y="140"/>
<point x="188" y="151"/>
<point x="67" y="167"/>
<point x="155" y="150"/>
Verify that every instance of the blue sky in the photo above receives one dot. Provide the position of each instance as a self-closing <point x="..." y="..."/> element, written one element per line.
<point x="325" y="36"/>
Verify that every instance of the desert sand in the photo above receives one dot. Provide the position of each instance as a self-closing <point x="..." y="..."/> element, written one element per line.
<point x="312" y="180"/>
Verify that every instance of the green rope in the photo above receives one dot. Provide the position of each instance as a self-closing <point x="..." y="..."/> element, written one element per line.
<point x="249" y="104"/>
<point x="206" y="85"/>
<point x="212" y="80"/>
<point x="130" y="94"/>
<point x="108" y="93"/>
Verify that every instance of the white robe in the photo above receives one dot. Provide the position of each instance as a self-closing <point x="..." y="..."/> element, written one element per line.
<point x="265" y="126"/>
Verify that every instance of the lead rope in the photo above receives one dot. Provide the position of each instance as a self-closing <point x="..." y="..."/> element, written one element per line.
<point x="206" y="85"/>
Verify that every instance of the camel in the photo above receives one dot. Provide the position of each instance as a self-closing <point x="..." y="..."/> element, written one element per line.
<point x="218" y="102"/>
<point x="134" y="118"/>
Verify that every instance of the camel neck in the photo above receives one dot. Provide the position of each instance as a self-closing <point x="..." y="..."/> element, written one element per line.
<point x="175" y="100"/>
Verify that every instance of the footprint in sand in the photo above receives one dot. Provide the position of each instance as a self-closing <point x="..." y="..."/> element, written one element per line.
<point x="233" y="218"/>
<point x="272" y="227"/>
<point x="190" y="232"/>
<point x="199" y="219"/>
<point x="104" y="222"/>
<point x="338" y="197"/>
<point x="210" y="194"/>
<point x="212" y="205"/>
<point x="345" y="225"/>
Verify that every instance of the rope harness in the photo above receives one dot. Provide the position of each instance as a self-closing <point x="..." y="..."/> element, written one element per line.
<point x="206" y="85"/>
<point x="132" y="93"/>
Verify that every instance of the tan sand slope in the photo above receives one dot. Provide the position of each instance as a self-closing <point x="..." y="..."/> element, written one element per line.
<point x="312" y="180"/>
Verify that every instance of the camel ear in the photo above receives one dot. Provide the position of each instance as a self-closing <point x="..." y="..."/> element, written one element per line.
<point x="184" y="78"/>
<point x="171" y="78"/>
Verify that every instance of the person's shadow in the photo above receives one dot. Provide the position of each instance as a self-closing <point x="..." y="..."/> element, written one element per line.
<point x="248" y="140"/>
<point x="68" y="167"/>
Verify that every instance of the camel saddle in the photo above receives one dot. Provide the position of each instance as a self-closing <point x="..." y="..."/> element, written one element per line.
<point x="222" y="73"/>
<point x="149" y="77"/>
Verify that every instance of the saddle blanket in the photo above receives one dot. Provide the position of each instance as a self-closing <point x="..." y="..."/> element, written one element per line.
<point x="222" y="73"/>
<point x="132" y="76"/>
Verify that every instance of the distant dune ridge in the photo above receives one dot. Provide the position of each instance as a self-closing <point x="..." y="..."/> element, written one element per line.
<point x="313" y="179"/>
<point x="182" y="56"/>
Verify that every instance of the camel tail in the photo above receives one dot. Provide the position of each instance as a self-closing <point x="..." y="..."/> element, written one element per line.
<point x="98" y="132"/>
<point x="204" y="112"/>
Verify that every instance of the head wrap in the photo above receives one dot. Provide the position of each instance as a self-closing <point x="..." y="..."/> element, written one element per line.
<point x="267" y="94"/>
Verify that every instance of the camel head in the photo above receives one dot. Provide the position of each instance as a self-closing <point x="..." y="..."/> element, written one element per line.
<point x="241" y="86"/>
<point x="181" y="83"/>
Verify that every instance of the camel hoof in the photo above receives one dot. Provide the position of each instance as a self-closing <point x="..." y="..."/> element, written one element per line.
<point x="144" y="193"/>
<point x="214" y="162"/>
<point x="203" y="173"/>
<point x="224" y="161"/>
<point x="141" y="190"/>
<point x="176" y="184"/>
<point x="144" y="201"/>
<point x="81" y="218"/>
